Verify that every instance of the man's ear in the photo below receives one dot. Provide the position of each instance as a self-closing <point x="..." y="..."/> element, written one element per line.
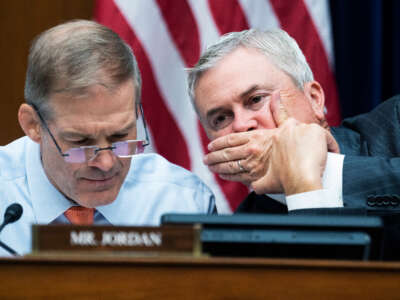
<point x="29" y="122"/>
<point x="315" y="94"/>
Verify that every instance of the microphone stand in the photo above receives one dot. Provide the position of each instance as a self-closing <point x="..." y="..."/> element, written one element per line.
<point x="8" y="249"/>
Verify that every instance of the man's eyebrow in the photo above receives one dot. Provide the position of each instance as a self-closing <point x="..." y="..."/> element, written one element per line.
<point x="73" y="135"/>
<point x="80" y="135"/>
<point x="249" y="91"/>
<point x="126" y="128"/>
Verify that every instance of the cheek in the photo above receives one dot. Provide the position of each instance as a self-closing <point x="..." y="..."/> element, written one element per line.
<point x="126" y="165"/>
<point x="302" y="111"/>
<point x="64" y="173"/>
<point x="60" y="173"/>
<point x="212" y="135"/>
<point x="264" y="118"/>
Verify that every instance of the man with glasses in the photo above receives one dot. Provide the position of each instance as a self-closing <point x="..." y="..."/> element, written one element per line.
<point x="78" y="162"/>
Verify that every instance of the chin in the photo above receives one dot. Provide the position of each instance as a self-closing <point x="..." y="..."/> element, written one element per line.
<point x="94" y="200"/>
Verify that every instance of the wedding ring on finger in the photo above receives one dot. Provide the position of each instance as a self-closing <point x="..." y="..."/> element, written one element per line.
<point x="240" y="167"/>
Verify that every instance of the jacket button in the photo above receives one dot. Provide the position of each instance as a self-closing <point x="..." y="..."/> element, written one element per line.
<point x="379" y="201"/>
<point x="394" y="201"/>
<point x="371" y="201"/>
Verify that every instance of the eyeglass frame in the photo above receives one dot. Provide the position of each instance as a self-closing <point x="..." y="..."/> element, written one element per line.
<point x="98" y="149"/>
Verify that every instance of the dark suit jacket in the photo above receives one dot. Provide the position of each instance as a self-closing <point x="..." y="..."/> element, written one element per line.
<point x="371" y="169"/>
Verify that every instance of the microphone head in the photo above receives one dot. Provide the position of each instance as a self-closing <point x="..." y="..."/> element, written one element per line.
<point x="13" y="213"/>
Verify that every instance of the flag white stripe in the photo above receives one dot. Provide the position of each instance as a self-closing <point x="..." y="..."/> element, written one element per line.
<point x="208" y="31"/>
<point x="320" y="13"/>
<point x="265" y="20"/>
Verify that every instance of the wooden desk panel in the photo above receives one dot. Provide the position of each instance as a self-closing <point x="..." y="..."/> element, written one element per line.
<point x="188" y="278"/>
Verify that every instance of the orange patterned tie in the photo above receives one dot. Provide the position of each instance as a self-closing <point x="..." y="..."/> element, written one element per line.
<point x="79" y="215"/>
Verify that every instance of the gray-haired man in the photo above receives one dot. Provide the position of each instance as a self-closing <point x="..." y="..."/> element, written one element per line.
<point x="258" y="101"/>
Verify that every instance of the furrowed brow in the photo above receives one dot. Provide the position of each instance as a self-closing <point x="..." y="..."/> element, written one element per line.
<point x="74" y="135"/>
<point x="250" y="90"/>
<point x="126" y="129"/>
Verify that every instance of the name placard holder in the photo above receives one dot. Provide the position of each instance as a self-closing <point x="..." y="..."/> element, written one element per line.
<point x="117" y="240"/>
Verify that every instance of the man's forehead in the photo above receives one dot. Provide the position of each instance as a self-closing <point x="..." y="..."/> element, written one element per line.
<point x="97" y="105"/>
<point x="96" y="92"/>
<point x="238" y="72"/>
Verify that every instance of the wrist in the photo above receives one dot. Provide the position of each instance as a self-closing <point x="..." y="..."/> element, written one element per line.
<point x="302" y="185"/>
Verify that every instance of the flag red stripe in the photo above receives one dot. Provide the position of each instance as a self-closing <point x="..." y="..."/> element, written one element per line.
<point x="183" y="29"/>
<point x="162" y="124"/>
<point x="228" y="16"/>
<point x="296" y="20"/>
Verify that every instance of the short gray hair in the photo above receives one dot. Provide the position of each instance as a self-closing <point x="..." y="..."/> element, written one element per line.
<point x="73" y="56"/>
<point x="276" y="44"/>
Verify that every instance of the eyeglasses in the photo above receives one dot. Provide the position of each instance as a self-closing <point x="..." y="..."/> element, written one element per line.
<point x="123" y="149"/>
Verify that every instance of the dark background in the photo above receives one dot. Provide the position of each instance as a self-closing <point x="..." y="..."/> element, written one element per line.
<point x="366" y="39"/>
<point x="367" y="52"/>
<point x="20" y="22"/>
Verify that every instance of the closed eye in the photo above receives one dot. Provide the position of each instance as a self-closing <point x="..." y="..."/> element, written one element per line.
<point x="78" y="143"/>
<point x="118" y="137"/>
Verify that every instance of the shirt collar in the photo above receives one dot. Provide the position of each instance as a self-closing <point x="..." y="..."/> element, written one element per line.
<point x="47" y="202"/>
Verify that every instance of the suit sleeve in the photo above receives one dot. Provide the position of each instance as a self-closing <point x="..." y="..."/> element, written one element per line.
<point x="372" y="183"/>
<point x="371" y="169"/>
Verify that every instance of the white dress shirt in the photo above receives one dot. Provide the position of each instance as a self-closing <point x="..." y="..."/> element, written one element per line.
<point x="330" y="196"/>
<point x="152" y="187"/>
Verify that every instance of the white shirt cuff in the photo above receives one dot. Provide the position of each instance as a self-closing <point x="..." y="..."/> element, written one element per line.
<point x="329" y="196"/>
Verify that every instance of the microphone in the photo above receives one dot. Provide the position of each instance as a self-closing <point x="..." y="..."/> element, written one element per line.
<point x="12" y="214"/>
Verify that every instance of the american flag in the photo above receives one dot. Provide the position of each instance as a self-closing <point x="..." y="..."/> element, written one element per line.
<point x="168" y="36"/>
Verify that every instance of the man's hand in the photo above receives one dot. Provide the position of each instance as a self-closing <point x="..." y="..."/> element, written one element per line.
<point x="251" y="148"/>
<point x="244" y="156"/>
<point x="247" y="157"/>
<point x="297" y="159"/>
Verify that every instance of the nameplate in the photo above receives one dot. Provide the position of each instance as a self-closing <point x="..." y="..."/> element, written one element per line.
<point x="126" y="239"/>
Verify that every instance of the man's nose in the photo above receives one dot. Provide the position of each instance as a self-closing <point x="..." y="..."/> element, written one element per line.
<point x="243" y="122"/>
<point x="104" y="160"/>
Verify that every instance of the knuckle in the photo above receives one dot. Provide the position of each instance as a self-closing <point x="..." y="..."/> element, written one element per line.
<point x="225" y="155"/>
<point x="275" y="137"/>
<point x="256" y="134"/>
<point x="230" y="140"/>
<point x="253" y="149"/>
<point x="229" y="152"/>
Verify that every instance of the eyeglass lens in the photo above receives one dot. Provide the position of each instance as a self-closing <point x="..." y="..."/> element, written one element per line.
<point x="120" y="149"/>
